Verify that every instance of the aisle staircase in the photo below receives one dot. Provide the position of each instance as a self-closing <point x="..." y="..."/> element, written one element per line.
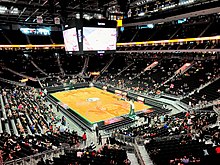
<point x="4" y="117"/>
<point x="104" y="69"/>
<point x="85" y="66"/>
<point x="59" y="64"/>
<point x="38" y="68"/>
<point x="179" y="72"/>
<point x="145" y="155"/>
<point x="149" y="67"/>
<point x="201" y="87"/>
<point x="11" y="121"/>
<point x="132" y="158"/>
<point x="118" y="74"/>
<point x="20" y="74"/>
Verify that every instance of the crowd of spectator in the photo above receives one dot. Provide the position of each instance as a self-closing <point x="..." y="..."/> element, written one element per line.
<point x="163" y="79"/>
<point x="126" y="71"/>
<point x="111" y="154"/>
<point x="29" y="124"/>
<point x="192" y="133"/>
<point x="55" y="81"/>
<point x="201" y="26"/>
<point x="160" y="125"/>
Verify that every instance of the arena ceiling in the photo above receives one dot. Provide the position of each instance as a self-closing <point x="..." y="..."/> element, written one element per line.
<point x="26" y="11"/>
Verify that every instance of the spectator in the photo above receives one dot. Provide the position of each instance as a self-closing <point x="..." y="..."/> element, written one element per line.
<point x="1" y="158"/>
<point x="127" y="162"/>
<point x="63" y="121"/>
<point x="33" y="129"/>
<point x="57" y="107"/>
<point x="41" y="162"/>
<point x="97" y="131"/>
<point x="84" y="138"/>
<point x="107" y="140"/>
<point x="185" y="160"/>
<point x="217" y="150"/>
<point x="100" y="139"/>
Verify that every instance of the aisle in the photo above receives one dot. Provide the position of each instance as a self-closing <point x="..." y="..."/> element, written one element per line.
<point x="132" y="158"/>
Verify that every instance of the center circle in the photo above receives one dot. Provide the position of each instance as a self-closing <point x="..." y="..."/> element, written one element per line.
<point x="93" y="99"/>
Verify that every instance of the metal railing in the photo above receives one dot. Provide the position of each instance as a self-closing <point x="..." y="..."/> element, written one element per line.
<point x="20" y="74"/>
<point x="131" y="145"/>
<point x="124" y="138"/>
<point x="138" y="154"/>
<point x="207" y="104"/>
<point x="12" y="82"/>
<point x="38" y="68"/>
<point x="34" y="159"/>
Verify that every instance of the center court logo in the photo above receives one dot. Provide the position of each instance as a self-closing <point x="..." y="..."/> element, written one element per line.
<point x="93" y="99"/>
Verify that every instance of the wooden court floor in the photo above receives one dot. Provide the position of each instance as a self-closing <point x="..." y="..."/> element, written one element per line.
<point x="96" y="105"/>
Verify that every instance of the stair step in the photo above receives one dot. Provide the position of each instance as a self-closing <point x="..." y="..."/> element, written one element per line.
<point x="132" y="158"/>
<point x="145" y="155"/>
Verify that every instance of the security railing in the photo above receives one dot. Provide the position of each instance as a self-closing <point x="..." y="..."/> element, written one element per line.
<point x="12" y="82"/>
<point x="123" y="138"/>
<point x="131" y="145"/>
<point x="138" y="154"/>
<point x="207" y="104"/>
<point x="34" y="159"/>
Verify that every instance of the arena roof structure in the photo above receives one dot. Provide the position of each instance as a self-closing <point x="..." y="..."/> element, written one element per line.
<point x="27" y="11"/>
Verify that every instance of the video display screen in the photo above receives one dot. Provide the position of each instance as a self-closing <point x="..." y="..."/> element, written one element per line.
<point x="96" y="38"/>
<point x="70" y="40"/>
<point x="46" y="31"/>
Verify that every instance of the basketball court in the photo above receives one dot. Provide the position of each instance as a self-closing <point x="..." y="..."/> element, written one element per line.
<point x="96" y="105"/>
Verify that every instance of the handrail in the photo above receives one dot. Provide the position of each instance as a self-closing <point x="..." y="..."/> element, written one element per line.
<point x="20" y="74"/>
<point x="138" y="154"/>
<point x="85" y="66"/>
<point x="176" y="97"/>
<point x="170" y="41"/>
<point x="133" y="145"/>
<point x="40" y="83"/>
<point x="207" y="104"/>
<point x="12" y="82"/>
<point x="124" y="69"/>
<point x="170" y="51"/>
<point x="201" y="87"/>
<point x="59" y="64"/>
<point x="32" y="157"/>
<point x="104" y="69"/>
<point x="38" y="68"/>
<point x="33" y="46"/>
